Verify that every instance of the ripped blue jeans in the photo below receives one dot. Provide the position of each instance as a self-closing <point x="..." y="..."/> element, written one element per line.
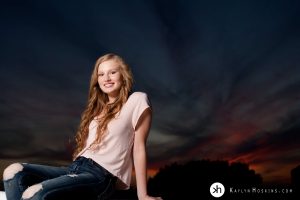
<point x="82" y="179"/>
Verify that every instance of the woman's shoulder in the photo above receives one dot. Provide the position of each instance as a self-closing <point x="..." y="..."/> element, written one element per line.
<point x="136" y="97"/>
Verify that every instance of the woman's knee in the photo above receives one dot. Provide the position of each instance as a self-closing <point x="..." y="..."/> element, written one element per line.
<point x="12" y="170"/>
<point x="31" y="191"/>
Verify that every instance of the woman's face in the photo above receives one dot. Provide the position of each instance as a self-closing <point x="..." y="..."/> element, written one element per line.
<point x="110" y="79"/>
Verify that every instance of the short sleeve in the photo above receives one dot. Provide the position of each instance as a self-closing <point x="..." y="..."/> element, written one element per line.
<point x="141" y="104"/>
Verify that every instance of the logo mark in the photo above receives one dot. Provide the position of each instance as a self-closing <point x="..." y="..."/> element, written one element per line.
<point x="217" y="189"/>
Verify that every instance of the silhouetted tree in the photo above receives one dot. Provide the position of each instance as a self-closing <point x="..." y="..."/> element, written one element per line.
<point x="295" y="177"/>
<point x="295" y="174"/>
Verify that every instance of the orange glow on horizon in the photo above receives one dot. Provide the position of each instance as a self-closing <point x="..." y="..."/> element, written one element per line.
<point x="270" y="170"/>
<point x="152" y="172"/>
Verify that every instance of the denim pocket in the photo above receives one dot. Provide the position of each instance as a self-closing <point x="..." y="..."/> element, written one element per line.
<point x="74" y="166"/>
<point x="83" y="164"/>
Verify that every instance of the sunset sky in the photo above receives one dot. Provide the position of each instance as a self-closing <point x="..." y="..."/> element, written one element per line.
<point x="223" y="77"/>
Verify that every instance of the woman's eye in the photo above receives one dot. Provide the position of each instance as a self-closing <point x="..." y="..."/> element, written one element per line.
<point x="100" y="74"/>
<point x="113" y="72"/>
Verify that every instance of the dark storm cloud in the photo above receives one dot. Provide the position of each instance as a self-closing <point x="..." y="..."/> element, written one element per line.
<point x="246" y="79"/>
<point x="222" y="75"/>
<point x="284" y="137"/>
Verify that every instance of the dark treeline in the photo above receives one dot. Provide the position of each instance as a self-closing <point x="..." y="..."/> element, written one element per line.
<point x="193" y="179"/>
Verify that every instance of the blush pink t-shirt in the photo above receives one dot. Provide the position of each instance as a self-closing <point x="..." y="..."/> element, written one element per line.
<point x="115" y="151"/>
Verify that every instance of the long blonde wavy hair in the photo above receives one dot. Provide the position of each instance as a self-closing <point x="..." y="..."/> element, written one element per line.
<point x="98" y="103"/>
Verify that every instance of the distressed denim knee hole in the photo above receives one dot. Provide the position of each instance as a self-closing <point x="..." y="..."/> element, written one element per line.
<point x="32" y="190"/>
<point x="11" y="171"/>
<point x="72" y="175"/>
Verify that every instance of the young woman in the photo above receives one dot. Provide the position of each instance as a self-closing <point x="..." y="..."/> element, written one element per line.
<point x="112" y="133"/>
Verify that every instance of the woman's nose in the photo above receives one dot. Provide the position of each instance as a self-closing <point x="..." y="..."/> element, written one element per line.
<point x="107" y="77"/>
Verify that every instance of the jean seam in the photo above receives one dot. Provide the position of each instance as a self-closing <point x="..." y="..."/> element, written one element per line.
<point x="105" y="191"/>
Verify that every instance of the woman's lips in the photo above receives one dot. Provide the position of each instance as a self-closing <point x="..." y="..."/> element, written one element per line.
<point x="108" y="85"/>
